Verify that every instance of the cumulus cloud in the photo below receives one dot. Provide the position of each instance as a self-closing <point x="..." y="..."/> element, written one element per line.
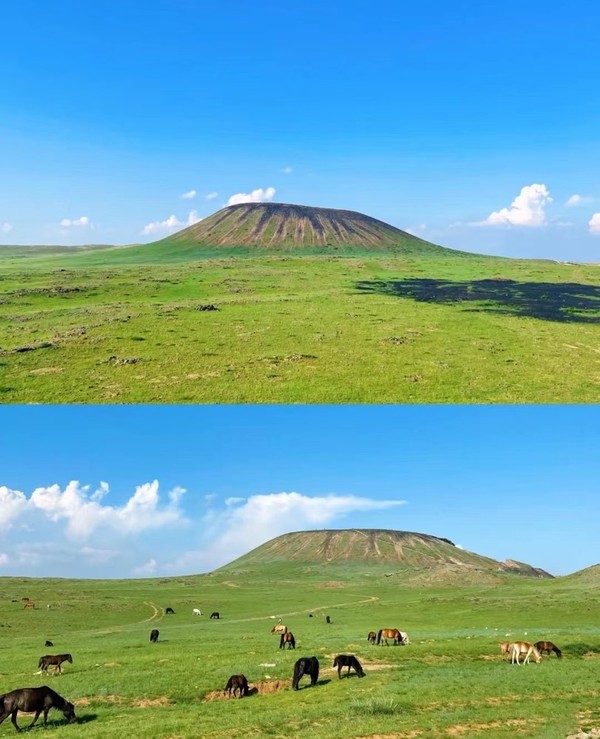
<point x="248" y="522"/>
<point x="189" y="195"/>
<point x="170" y="224"/>
<point x="6" y="227"/>
<point x="84" y="513"/>
<point x="256" y="196"/>
<point x="594" y="224"/>
<point x="527" y="209"/>
<point x="211" y="196"/>
<point x="76" y="222"/>
<point x="147" y="569"/>
<point x="577" y="199"/>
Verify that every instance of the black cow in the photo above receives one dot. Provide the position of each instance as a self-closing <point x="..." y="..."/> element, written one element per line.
<point x="305" y="666"/>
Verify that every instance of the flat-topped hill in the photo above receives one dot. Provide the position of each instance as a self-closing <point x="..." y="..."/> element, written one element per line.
<point x="281" y="225"/>
<point x="413" y="554"/>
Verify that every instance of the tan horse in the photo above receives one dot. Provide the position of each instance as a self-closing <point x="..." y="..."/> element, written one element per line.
<point x="505" y="648"/>
<point x="523" y="647"/>
<point x="29" y="604"/>
<point x="279" y="629"/>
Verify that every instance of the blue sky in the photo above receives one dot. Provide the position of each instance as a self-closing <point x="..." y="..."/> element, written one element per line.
<point x="433" y="116"/>
<point x="137" y="491"/>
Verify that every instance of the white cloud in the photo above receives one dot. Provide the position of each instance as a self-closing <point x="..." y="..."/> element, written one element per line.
<point x="211" y="196"/>
<point x="84" y="513"/>
<point x="189" y="195"/>
<point x="594" y="224"/>
<point x="256" y="196"/>
<point x="6" y="227"/>
<point x="99" y="556"/>
<point x="286" y="170"/>
<point x="148" y="568"/>
<point x="527" y="209"/>
<point x="3" y="559"/>
<point x="246" y="523"/>
<point x="69" y="222"/>
<point x="577" y="199"/>
<point x="170" y="224"/>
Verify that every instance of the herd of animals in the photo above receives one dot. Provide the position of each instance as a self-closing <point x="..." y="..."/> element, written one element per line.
<point x="41" y="699"/>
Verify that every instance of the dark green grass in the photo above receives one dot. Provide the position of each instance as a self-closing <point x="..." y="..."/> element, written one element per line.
<point x="449" y="681"/>
<point x="366" y="328"/>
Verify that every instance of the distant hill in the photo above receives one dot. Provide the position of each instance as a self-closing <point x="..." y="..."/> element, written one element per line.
<point x="284" y="226"/>
<point x="414" y="556"/>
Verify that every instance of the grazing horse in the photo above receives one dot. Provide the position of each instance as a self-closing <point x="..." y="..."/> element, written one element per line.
<point x="239" y="683"/>
<point x="287" y="638"/>
<point x="34" y="700"/>
<point x="169" y="610"/>
<point x="372" y="637"/>
<point x="54" y="660"/>
<point x="505" y="648"/>
<point x="349" y="661"/>
<point x="196" y="612"/>
<point x="305" y="666"/>
<point x="279" y="629"/>
<point x="398" y="637"/>
<point x="523" y="647"/>
<point x="327" y="619"/>
<point x="48" y="643"/>
<point x="29" y="604"/>
<point x="548" y="647"/>
<point x="216" y="614"/>
<point x="154" y="636"/>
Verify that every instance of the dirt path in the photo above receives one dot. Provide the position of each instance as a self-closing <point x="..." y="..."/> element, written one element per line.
<point x="370" y="599"/>
<point x="157" y="613"/>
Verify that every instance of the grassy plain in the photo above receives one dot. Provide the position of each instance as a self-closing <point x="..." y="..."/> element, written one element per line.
<point x="449" y="682"/>
<point x="123" y="325"/>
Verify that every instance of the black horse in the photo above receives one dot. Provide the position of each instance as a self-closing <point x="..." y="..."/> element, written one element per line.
<point x="287" y="638"/>
<point x="53" y="660"/>
<point x="154" y="635"/>
<point x="237" y="683"/>
<point x="34" y="700"/>
<point x="548" y="647"/>
<point x="349" y="661"/>
<point x="215" y="614"/>
<point x="48" y="643"/>
<point x="169" y="610"/>
<point x="305" y="666"/>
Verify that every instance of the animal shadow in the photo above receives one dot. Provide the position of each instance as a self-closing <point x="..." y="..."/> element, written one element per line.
<point x="564" y="302"/>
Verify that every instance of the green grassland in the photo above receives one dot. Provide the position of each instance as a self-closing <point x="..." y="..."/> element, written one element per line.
<point x="124" y="325"/>
<point x="450" y="681"/>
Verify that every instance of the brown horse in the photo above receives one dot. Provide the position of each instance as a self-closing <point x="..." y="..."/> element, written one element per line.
<point x="398" y="637"/>
<point x="523" y="647"/>
<point x="547" y="647"/>
<point x="34" y="700"/>
<point x="237" y="683"/>
<point x="29" y="604"/>
<point x="287" y="638"/>
<point x="279" y="629"/>
<point x="372" y="637"/>
<point x="505" y="648"/>
<point x="54" y="660"/>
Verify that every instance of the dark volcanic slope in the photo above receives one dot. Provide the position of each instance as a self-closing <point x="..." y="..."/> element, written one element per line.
<point x="394" y="549"/>
<point x="271" y="225"/>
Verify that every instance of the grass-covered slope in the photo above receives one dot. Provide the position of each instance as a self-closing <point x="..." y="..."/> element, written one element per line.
<point x="379" y="328"/>
<point x="450" y="681"/>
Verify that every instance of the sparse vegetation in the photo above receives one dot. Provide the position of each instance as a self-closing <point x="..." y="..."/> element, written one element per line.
<point x="367" y="327"/>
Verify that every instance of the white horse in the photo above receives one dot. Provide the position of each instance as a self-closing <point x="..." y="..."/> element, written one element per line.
<point x="196" y="612"/>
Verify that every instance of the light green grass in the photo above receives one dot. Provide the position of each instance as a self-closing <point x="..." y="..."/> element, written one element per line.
<point x="450" y="681"/>
<point x="90" y="327"/>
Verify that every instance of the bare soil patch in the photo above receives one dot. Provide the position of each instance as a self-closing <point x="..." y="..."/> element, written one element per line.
<point x="260" y="687"/>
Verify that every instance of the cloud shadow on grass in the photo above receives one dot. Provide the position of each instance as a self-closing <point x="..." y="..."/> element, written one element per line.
<point x="564" y="302"/>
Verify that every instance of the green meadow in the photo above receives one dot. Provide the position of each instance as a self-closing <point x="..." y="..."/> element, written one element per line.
<point x="126" y="325"/>
<point x="449" y="681"/>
